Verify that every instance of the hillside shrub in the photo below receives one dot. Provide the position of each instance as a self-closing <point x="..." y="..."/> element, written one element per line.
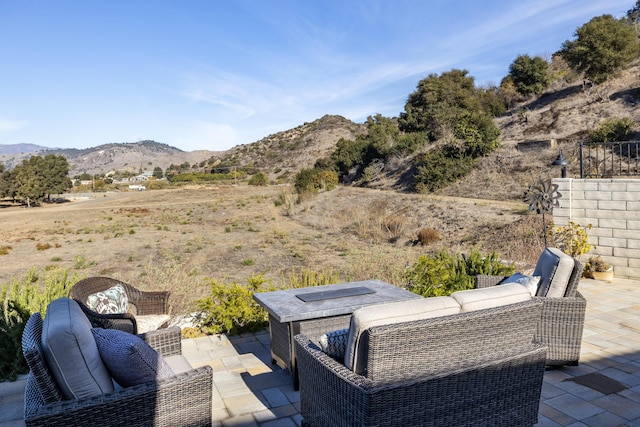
<point x="259" y="179"/>
<point x="440" y="167"/>
<point x="19" y="299"/>
<point x="312" y="180"/>
<point x="613" y="130"/>
<point x="443" y="273"/>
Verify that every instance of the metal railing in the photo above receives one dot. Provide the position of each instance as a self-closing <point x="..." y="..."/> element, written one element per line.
<point x="609" y="159"/>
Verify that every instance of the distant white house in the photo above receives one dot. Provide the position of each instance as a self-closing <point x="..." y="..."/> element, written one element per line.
<point x="144" y="176"/>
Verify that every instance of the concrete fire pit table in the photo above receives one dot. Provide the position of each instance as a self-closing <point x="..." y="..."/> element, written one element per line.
<point x="317" y="310"/>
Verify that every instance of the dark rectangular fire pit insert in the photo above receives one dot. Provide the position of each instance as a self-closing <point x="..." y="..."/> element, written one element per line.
<point x="338" y="293"/>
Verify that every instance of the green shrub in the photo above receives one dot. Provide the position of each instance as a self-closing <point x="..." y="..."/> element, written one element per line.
<point x="439" y="167"/>
<point x="312" y="180"/>
<point x="572" y="239"/>
<point x="231" y="309"/>
<point x="613" y="130"/>
<point x="443" y="273"/>
<point x="260" y="179"/>
<point x="19" y="299"/>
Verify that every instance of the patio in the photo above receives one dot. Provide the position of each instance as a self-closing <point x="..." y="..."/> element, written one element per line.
<point x="603" y="391"/>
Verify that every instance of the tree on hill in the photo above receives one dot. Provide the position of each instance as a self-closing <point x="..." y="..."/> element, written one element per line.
<point x="437" y="102"/>
<point x="602" y="46"/>
<point x="529" y="75"/>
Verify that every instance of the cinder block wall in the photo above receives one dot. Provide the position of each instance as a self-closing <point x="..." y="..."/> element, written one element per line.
<point x="612" y="207"/>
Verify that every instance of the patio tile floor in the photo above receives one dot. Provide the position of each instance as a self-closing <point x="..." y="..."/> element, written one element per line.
<point x="250" y="391"/>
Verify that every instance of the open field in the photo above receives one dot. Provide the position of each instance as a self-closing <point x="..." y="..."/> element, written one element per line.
<point x="175" y="239"/>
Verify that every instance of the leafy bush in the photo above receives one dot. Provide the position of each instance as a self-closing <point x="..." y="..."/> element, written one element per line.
<point x="260" y="179"/>
<point x="571" y="239"/>
<point x="613" y="130"/>
<point x="231" y="309"/>
<point x="19" y="299"/>
<point x="312" y="180"/>
<point x="439" y="167"/>
<point x="443" y="273"/>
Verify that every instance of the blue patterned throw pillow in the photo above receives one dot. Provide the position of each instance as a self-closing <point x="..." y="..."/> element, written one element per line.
<point x="334" y="343"/>
<point x="129" y="359"/>
<point x="111" y="301"/>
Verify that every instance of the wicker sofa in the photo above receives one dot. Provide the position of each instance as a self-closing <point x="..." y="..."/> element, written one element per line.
<point x="473" y="368"/>
<point x="87" y="395"/>
<point x="145" y="305"/>
<point x="563" y="310"/>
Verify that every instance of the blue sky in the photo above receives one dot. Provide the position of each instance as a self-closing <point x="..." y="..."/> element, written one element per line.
<point x="212" y="74"/>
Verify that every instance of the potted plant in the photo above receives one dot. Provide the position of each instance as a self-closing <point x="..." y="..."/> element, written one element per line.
<point x="600" y="269"/>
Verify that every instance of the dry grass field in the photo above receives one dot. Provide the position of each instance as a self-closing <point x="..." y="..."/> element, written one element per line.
<point x="175" y="239"/>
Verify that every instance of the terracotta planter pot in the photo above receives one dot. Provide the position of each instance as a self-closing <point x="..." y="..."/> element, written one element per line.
<point x="605" y="276"/>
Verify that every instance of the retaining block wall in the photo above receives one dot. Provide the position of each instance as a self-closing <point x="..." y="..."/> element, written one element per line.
<point x="612" y="207"/>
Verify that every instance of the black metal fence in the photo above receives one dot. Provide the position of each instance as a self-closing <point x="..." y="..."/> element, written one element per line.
<point x="609" y="159"/>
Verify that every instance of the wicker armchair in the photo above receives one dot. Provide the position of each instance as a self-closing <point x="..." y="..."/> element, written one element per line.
<point x="471" y="369"/>
<point x="182" y="400"/>
<point x="562" y="321"/>
<point x="144" y="302"/>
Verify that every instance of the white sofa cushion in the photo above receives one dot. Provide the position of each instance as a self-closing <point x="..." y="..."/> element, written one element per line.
<point x="151" y="322"/>
<point x="71" y="352"/>
<point x="391" y="313"/>
<point x="555" y="268"/>
<point x="529" y="282"/>
<point x="495" y="296"/>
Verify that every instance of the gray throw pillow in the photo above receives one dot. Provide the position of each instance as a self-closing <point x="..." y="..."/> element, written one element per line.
<point x="129" y="359"/>
<point x="334" y="343"/>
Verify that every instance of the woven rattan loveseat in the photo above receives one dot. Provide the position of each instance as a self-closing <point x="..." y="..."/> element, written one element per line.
<point x="144" y="303"/>
<point x="182" y="398"/>
<point x="562" y="321"/>
<point x="478" y="368"/>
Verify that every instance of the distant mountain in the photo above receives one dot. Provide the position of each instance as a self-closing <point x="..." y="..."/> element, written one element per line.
<point x="21" y="148"/>
<point x="129" y="156"/>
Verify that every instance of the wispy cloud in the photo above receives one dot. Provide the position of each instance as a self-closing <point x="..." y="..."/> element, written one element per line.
<point x="9" y="126"/>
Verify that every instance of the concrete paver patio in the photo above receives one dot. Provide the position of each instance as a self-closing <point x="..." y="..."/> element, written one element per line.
<point x="250" y="391"/>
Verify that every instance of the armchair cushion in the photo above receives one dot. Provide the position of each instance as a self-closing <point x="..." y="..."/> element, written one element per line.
<point x="391" y="313"/>
<point x="129" y="359"/>
<point x="71" y="352"/>
<point x="555" y="268"/>
<point x="480" y="299"/>
<point x="110" y="301"/>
